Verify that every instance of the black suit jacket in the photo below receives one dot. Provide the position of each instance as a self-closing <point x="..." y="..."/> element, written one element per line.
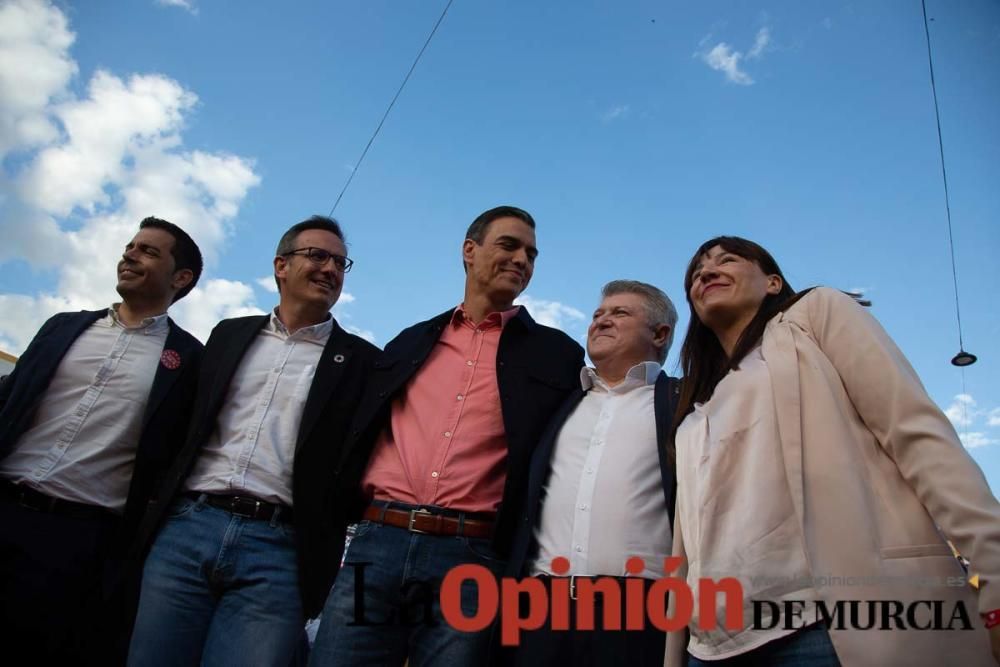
<point x="164" y="421"/>
<point x="665" y="395"/>
<point x="333" y="397"/>
<point x="537" y="367"/>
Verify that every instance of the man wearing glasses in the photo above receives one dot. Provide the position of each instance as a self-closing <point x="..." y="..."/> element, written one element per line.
<point x="244" y="553"/>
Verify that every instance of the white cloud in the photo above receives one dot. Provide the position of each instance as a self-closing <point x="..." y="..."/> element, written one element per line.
<point x="962" y="411"/>
<point x="965" y="414"/>
<point x="35" y="68"/>
<point x="90" y="166"/>
<point x="550" y="313"/>
<point x="345" y="319"/>
<point x="615" y="113"/>
<point x="267" y="284"/>
<point x="208" y="303"/>
<point x="363" y="333"/>
<point x="23" y="315"/>
<point x="977" y="439"/>
<point x="724" y="58"/>
<point x="760" y="43"/>
<point x="186" y="5"/>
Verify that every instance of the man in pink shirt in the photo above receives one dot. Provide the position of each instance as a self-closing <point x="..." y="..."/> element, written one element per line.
<point x="437" y="463"/>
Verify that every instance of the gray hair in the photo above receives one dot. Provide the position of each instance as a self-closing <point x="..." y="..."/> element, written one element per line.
<point x="659" y="308"/>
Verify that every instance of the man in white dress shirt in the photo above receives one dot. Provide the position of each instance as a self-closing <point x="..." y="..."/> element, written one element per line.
<point x="245" y="546"/>
<point x="91" y="416"/>
<point x="601" y="488"/>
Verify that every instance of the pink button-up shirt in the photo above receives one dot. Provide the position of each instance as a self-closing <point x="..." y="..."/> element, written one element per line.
<point x="446" y="443"/>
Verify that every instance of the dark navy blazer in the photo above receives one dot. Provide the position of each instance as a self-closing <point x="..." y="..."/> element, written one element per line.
<point x="665" y="395"/>
<point x="164" y="421"/>
<point x="537" y="367"/>
<point x="336" y="388"/>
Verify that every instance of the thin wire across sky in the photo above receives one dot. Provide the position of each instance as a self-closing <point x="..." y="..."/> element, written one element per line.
<point x="395" y="97"/>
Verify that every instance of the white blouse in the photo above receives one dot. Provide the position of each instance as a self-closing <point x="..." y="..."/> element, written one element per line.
<point x="750" y="530"/>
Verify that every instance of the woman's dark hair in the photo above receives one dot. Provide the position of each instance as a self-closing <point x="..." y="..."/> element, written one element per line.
<point x="703" y="360"/>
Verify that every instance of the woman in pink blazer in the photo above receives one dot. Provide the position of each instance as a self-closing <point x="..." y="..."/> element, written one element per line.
<point x="813" y="467"/>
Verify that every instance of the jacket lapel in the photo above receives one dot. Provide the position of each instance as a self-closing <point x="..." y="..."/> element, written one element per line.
<point x="335" y="358"/>
<point x="235" y="346"/>
<point x="165" y="377"/>
<point x="61" y="341"/>
<point x="781" y="355"/>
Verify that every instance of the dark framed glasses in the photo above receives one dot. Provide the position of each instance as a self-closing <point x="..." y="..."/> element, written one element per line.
<point x="320" y="257"/>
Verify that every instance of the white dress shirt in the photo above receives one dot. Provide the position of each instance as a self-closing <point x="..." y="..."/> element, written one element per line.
<point x="252" y="448"/>
<point x="604" y="498"/>
<point x="732" y="442"/>
<point x="82" y="442"/>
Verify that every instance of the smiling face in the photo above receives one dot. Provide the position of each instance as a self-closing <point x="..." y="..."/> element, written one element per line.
<point x="501" y="266"/>
<point x="621" y="332"/>
<point x="147" y="272"/>
<point x="301" y="281"/>
<point x="727" y="289"/>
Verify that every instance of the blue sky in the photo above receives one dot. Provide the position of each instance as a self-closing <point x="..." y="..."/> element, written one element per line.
<point x="632" y="131"/>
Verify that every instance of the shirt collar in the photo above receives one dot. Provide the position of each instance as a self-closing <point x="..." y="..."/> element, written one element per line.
<point x="642" y="374"/>
<point x="459" y="317"/>
<point x="149" y="325"/>
<point x="315" y="332"/>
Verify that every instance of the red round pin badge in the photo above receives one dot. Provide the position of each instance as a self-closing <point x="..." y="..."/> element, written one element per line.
<point x="170" y="359"/>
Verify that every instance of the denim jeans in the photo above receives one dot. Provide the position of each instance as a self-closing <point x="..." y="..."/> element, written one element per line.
<point x="218" y="589"/>
<point x="808" y="647"/>
<point x="401" y="604"/>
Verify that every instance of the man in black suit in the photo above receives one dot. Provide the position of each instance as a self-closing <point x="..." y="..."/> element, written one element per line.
<point x="246" y="550"/>
<point x="601" y="487"/>
<point x="438" y="455"/>
<point x="91" y="416"/>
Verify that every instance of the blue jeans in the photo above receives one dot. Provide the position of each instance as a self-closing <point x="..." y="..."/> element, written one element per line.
<point x="808" y="647"/>
<point x="218" y="589"/>
<point x="401" y="606"/>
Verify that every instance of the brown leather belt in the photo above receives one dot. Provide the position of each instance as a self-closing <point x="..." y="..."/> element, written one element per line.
<point x="420" y="520"/>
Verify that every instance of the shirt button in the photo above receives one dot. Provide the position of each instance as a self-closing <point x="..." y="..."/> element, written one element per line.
<point x="447" y="434"/>
<point x="434" y="474"/>
<point x="590" y="471"/>
<point x="460" y="397"/>
<point x="37" y="473"/>
<point x="583" y="507"/>
<point x="469" y="362"/>
<point x="578" y="548"/>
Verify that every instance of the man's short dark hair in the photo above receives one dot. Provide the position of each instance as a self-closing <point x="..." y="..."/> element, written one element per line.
<point x="322" y="222"/>
<point x="477" y="230"/>
<point x="185" y="252"/>
<point x="287" y="242"/>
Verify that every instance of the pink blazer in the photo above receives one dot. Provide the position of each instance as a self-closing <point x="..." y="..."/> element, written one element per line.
<point x="874" y="468"/>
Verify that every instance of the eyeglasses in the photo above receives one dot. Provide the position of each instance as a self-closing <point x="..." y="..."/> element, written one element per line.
<point x="320" y="257"/>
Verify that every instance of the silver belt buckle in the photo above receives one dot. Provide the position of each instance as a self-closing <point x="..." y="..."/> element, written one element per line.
<point x="237" y="501"/>
<point x="413" y="518"/>
<point x="572" y="586"/>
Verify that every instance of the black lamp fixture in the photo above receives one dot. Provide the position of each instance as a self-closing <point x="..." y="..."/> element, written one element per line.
<point x="963" y="358"/>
